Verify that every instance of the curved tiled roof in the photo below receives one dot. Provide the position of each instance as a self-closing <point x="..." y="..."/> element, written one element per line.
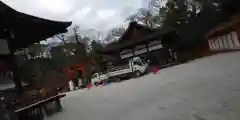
<point x="135" y="34"/>
<point x="27" y="29"/>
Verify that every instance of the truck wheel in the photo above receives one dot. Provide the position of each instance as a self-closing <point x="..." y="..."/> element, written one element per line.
<point x="138" y="73"/>
<point x="118" y="79"/>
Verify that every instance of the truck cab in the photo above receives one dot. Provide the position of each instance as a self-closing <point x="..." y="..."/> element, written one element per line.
<point x="139" y="65"/>
<point x="98" y="77"/>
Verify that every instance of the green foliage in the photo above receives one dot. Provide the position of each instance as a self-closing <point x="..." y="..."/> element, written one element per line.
<point x="191" y="19"/>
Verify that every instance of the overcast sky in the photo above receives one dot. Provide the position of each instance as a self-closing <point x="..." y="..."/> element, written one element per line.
<point x="89" y="14"/>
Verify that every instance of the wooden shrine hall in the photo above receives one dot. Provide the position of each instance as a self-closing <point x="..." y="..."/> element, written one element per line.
<point x="154" y="44"/>
<point x="19" y="30"/>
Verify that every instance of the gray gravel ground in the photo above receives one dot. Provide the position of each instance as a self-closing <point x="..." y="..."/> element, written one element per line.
<point x="204" y="89"/>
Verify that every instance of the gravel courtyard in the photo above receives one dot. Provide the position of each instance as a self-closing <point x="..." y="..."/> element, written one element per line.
<point x="203" y="89"/>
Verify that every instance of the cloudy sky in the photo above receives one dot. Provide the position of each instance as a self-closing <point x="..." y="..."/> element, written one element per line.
<point x="89" y="14"/>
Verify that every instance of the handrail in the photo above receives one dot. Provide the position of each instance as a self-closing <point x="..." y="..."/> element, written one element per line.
<point x="40" y="102"/>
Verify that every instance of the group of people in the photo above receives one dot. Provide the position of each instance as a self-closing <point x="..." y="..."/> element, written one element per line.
<point x="77" y="80"/>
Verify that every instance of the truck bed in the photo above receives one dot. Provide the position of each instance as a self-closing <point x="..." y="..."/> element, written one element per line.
<point x="117" y="68"/>
<point x="119" y="72"/>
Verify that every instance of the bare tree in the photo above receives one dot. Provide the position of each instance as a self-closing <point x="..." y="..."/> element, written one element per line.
<point x="143" y="15"/>
<point x="61" y="37"/>
<point x="117" y="31"/>
<point x="114" y="34"/>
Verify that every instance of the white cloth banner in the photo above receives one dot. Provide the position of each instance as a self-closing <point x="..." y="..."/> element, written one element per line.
<point x="210" y="44"/>
<point x="235" y="39"/>
<point x="230" y="41"/>
<point x="71" y="85"/>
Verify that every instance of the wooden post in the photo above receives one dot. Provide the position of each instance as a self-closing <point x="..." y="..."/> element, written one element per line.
<point x="133" y="51"/>
<point x="13" y="61"/>
<point x="16" y="76"/>
<point x="76" y="35"/>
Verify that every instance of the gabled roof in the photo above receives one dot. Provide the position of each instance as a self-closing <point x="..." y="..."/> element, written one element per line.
<point x="112" y="47"/>
<point x="27" y="29"/>
<point x="135" y="28"/>
<point x="135" y="33"/>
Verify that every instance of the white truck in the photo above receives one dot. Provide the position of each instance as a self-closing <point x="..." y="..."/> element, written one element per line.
<point x="135" y="67"/>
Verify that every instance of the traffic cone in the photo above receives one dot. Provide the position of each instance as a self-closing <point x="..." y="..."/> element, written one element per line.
<point x="89" y="86"/>
<point x="107" y="83"/>
<point x="155" y="69"/>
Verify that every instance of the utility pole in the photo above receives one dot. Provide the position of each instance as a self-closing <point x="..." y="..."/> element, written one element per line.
<point x="76" y="35"/>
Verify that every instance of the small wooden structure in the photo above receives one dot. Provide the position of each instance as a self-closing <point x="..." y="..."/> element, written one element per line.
<point x="153" y="44"/>
<point x="225" y="36"/>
